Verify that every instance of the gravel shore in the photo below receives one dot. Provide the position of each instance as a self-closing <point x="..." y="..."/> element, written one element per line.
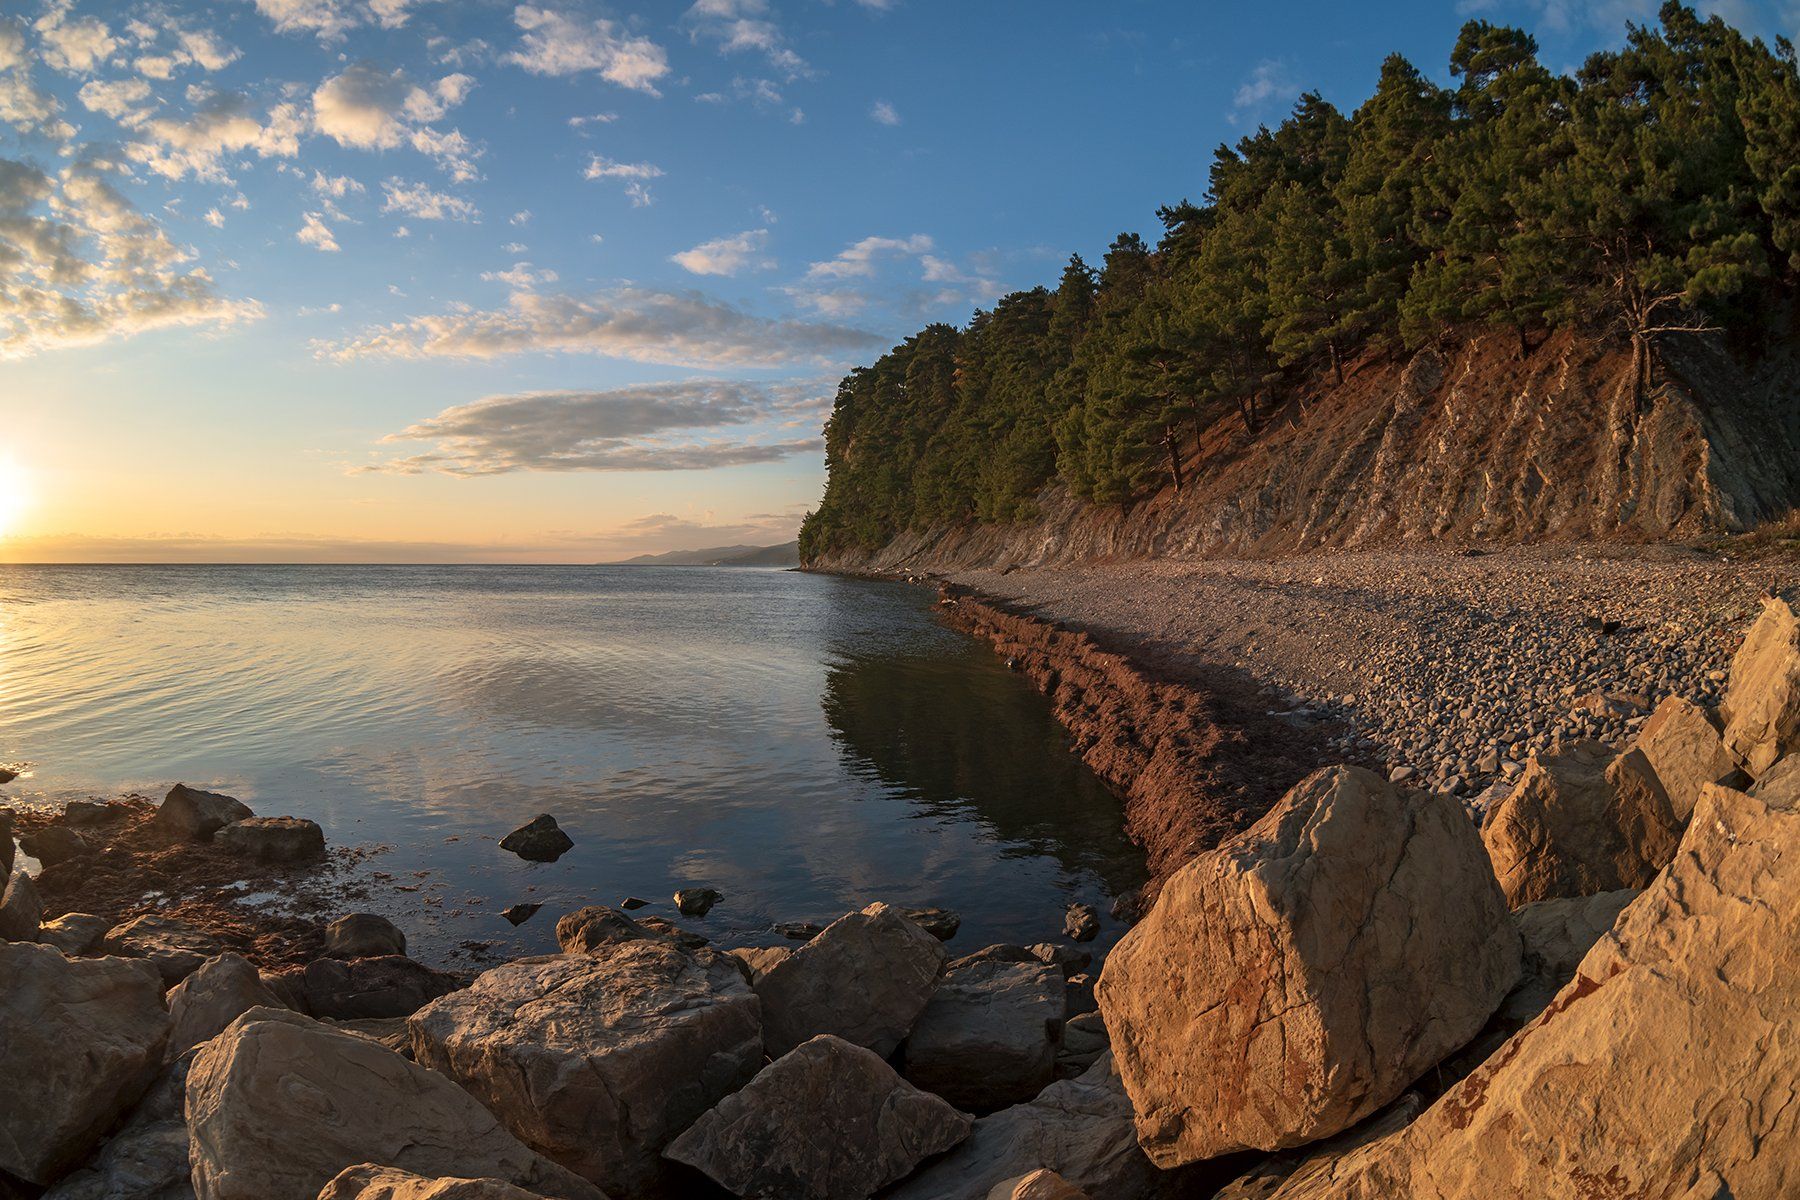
<point x="1446" y="666"/>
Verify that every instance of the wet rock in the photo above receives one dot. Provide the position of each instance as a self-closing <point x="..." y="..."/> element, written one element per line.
<point x="1039" y="1185"/>
<point x="372" y="1182"/>
<point x="798" y="931"/>
<point x="7" y="775"/>
<point x="174" y="947"/>
<point x="787" y="1133"/>
<point x="598" y="1061"/>
<point x="147" y="1158"/>
<point x="274" y="839"/>
<point x="1300" y="977"/>
<point x="1687" y="752"/>
<point x="55" y="844"/>
<point x="83" y="1040"/>
<point x="1580" y="823"/>
<point x="1081" y="923"/>
<point x="697" y="902"/>
<point x="940" y="923"/>
<point x="363" y="935"/>
<point x="278" y="1105"/>
<point x="518" y="914"/>
<point x="362" y="988"/>
<point x="759" y="960"/>
<point x="75" y="934"/>
<point x="989" y="1035"/>
<point x="865" y="979"/>
<point x="191" y="815"/>
<point x="1679" y="1019"/>
<point x="21" y="910"/>
<point x="1762" y="702"/>
<point x="220" y="991"/>
<point x="630" y="903"/>
<point x="539" y="840"/>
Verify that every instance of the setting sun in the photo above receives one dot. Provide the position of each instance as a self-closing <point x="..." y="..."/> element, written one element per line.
<point x="15" y="496"/>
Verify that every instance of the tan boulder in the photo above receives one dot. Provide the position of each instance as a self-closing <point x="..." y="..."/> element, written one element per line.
<point x="1687" y="752"/>
<point x="282" y="840"/>
<point x="82" y="1039"/>
<point x="599" y="1060"/>
<point x="372" y="1182"/>
<point x="220" y="991"/>
<point x="75" y="934"/>
<point x="279" y="1104"/>
<point x="173" y="946"/>
<point x="1300" y="977"/>
<point x="865" y="978"/>
<point x="1762" y="700"/>
<point x="758" y="960"/>
<point x="1779" y="786"/>
<point x="1039" y="1185"/>
<point x="989" y="1035"/>
<point x="598" y="927"/>
<point x="1667" y="1062"/>
<point x="826" y="1120"/>
<point x="1581" y="822"/>
<point x="1306" y="1165"/>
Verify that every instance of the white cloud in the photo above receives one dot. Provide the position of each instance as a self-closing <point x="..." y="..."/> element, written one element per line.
<point x="367" y="108"/>
<point x="175" y="145"/>
<point x="76" y="46"/>
<point x="739" y="26"/>
<point x="640" y="324"/>
<point x="857" y="261"/>
<point x="215" y="218"/>
<point x="635" y="175"/>
<point x="726" y="255"/>
<point x="331" y="20"/>
<point x="190" y="48"/>
<point x="883" y="113"/>
<point x="556" y="43"/>
<point x="579" y="123"/>
<point x="314" y="233"/>
<point x="1268" y="81"/>
<point x="12" y="43"/>
<point x="124" y="100"/>
<point x="522" y="217"/>
<point x="336" y="186"/>
<point x="418" y="200"/>
<point x="520" y="276"/>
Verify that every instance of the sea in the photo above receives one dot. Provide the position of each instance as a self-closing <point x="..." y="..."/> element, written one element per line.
<point x="805" y="744"/>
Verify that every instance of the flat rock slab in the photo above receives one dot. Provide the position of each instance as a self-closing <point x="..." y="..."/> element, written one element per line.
<point x="278" y="1105"/>
<point x="826" y="1120"/>
<point x="1300" y="977"/>
<point x="989" y="1035"/>
<point x="82" y="1041"/>
<point x="599" y="1060"/>
<point x="174" y="947"/>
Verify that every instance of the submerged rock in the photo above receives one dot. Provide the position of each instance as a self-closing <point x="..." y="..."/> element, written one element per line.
<point x="538" y="840"/>
<point x="989" y="1035"/>
<point x="1081" y="923"/>
<point x="274" y="839"/>
<point x="697" y="902"/>
<point x="174" y="947"/>
<point x="599" y="1060"/>
<point x="190" y="814"/>
<point x="518" y="914"/>
<point x="363" y="935"/>
<point x="1300" y="977"/>
<point x="825" y="1120"/>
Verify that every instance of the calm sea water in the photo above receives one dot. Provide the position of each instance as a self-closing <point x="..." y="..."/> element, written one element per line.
<point x="805" y="744"/>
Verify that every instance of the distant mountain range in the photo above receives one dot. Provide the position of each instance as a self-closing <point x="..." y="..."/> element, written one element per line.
<point x="785" y="555"/>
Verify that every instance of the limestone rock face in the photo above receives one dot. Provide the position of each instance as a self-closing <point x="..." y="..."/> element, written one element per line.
<point x="75" y="934"/>
<point x="1580" y="823"/>
<point x="21" y="910"/>
<point x="1556" y="935"/>
<point x="866" y="979"/>
<point x="174" y="947"/>
<point x="1080" y="1128"/>
<point x="1687" y="752"/>
<point x="220" y="991"/>
<point x="274" y="839"/>
<point x="195" y="816"/>
<point x="1298" y="978"/>
<point x="363" y="935"/>
<point x="989" y="1035"/>
<point x="278" y="1105"/>
<point x="1667" y="1062"/>
<point x="598" y="1061"/>
<point x="371" y="1182"/>
<point x="1763" y="698"/>
<point x="147" y="1159"/>
<point x="363" y="988"/>
<point x="82" y="1041"/>
<point x="826" y="1120"/>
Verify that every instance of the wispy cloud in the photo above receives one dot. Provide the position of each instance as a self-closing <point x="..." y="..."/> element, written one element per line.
<point x="726" y="255"/>
<point x="554" y="43"/>
<point x="1270" y="80"/>
<point x="884" y="113"/>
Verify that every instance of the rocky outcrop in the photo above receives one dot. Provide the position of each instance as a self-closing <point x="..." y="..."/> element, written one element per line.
<point x="1299" y="978"/>
<point x="599" y="1060"/>
<point x="1581" y="822"/>
<point x="217" y="993"/>
<point x="989" y="1035"/>
<point x="1687" y="751"/>
<point x="274" y="839"/>
<point x="783" y="1137"/>
<point x="538" y="840"/>
<point x="1664" y="1068"/>
<point x="278" y="1105"/>
<point x="363" y="935"/>
<point x="174" y="947"/>
<point x="83" y="1040"/>
<point x="189" y="814"/>
<point x="371" y="1182"/>
<point x="865" y="979"/>
<point x="1762" y="705"/>
<point x="147" y="1158"/>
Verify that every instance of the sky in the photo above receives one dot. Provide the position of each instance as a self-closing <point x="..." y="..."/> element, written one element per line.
<point x="567" y="281"/>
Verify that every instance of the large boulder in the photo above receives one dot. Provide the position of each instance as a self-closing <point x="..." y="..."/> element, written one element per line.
<point x="190" y="814"/>
<point x="865" y="978"/>
<point x="363" y="988"/>
<point x="1080" y="1128"/>
<point x="538" y="840"/>
<point x="825" y="1120"/>
<point x="1762" y="700"/>
<point x="363" y="935"/>
<point x="599" y="1060"/>
<point x="1581" y="822"/>
<point x="147" y="1158"/>
<point x="989" y="1035"/>
<point x="82" y="1041"/>
<point x="21" y="910"/>
<point x="280" y="840"/>
<point x="1686" y="750"/>
<point x="1298" y="978"/>
<point x="55" y="844"/>
<point x="174" y="947"/>
<point x="371" y="1182"/>
<point x="278" y="1105"/>
<point x="1667" y="1061"/>
<point x="220" y="991"/>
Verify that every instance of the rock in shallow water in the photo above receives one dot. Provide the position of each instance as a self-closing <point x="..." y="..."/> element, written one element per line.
<point x="282" y="840"/>
<point x="538" y="840"/>
<point x="697" y="902"/>
<point x="826" y="1120"/>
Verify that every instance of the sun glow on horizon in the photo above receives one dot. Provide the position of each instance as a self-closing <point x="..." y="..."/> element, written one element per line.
<point x="15" y="496"/>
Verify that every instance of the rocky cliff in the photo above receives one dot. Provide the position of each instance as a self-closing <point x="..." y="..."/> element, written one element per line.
<point x="1471" y="442"/>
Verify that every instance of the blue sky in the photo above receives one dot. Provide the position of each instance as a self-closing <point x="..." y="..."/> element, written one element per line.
<point x="409" y="279"/>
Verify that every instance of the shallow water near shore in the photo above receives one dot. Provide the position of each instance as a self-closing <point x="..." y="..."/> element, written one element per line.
<point x="806" y="744"/>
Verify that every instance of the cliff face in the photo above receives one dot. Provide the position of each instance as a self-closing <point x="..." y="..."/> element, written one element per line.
<point x="1472" y="444"/>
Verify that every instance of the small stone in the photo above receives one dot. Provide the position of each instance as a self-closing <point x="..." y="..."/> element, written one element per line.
<point x="697" y="902"/>
<point x="1081" y="922"/>
<point x="940" y="923"/>
<point x="518" y="914"/>
<point x="539" y="840"/>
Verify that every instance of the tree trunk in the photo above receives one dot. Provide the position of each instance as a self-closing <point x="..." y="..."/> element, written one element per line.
<point x="1524" y="343"/>
<point x="1172" y="444"/>
<point x="1337" y="364"/>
